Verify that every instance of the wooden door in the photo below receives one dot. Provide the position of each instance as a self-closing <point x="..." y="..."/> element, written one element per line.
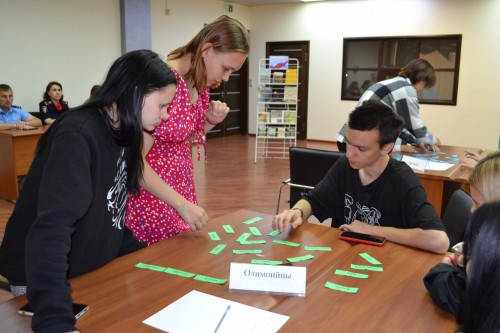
<point x="235" y="93"/>
<point x="299" y="50"/>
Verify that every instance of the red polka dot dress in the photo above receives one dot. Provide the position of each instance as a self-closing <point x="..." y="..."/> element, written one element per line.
<point x="150" y="219"/>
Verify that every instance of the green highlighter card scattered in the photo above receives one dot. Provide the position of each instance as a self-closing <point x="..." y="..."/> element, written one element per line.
<point x="255" y="219"/>
<point x="218" y="249"/>
<point x="338" y="287"/>
<point x="370" y="259"/>
<point x="213" y="236"/>
<point x="228" y="229"/>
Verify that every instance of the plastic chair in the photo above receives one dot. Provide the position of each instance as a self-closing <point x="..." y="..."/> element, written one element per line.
<point x="307" y="167"/>
<point x="456" y="216"/>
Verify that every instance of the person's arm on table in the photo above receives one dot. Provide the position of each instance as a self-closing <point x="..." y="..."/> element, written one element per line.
<point x="194" y="215"/>
<point x="294" y="217"/>
<point x="6" y="126"/>
<point x="430" y="240"/>
<point x="33" y="121"/>
<point x="423" y="229"/>
<point x="417" y="127"/>
<point x="446" y="285"/>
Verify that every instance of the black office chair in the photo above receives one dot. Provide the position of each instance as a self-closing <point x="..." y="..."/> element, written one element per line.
<point x="456" y="215"/>
<point x="307" y="167"/>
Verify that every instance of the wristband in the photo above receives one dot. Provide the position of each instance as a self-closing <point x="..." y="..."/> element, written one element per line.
<point x="208" y="121"/>
<point x="451" y="259"/>
<point x="300" y="210"/>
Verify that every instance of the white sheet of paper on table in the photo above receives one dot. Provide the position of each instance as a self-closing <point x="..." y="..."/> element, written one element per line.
<point x="201" y="312"/>
<point x="423" y="164"/>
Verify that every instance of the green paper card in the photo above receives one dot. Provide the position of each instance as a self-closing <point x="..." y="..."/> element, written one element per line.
<point x="244" y="237"/>
<point x="209" y="279"/>
<point x="370" y="259"/>
<point x="257" y="241"/>
<point x="255" y="219"/>
<point x="338" y="287"/>
<point x="266" y="262"/>
<point x="274" y="233"/>
<point x="367" y="268"/>
<point x="317" y="248"/>
<point x="247" y="251"/>
<point x="255" y="231"/>
<point x="277" y="241"/>
<point x="178" y="272"/>
<point x="218" y="249"/>
<point x="228" y="229"/>
<point x="213" y="236"/>
<point x="301" y="258"/>
<point x="151" y="267"/>
<point x="351" y="274"/>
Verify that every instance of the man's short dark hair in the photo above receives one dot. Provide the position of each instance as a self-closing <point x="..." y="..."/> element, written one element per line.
<point x="5" y="87"/>
<point x="376" y="115"/>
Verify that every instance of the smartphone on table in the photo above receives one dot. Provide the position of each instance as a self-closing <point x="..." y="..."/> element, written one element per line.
<point x="362" y="238"/>
<point x="78" y="310"/>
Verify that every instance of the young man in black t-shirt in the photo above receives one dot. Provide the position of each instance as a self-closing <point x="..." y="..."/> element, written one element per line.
<point x="369" y="192"/>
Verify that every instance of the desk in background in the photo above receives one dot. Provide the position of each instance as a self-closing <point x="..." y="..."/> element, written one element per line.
<point x="121" y="296"/>
<point x="17" y="148"/>
<point x="440" y="185"/>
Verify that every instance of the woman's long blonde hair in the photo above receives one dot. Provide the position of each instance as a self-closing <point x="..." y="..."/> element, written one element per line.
<point x="225" y="34"/>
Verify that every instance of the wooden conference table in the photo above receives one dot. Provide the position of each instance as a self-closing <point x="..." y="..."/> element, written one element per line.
<point x="440" y="185"/>
<point x="17" y="148"/>
<point x="120" y="296"/>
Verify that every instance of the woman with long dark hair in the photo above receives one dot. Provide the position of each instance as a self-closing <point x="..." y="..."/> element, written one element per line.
<point x="69" y="218"/>
<point x="481" y="260"/>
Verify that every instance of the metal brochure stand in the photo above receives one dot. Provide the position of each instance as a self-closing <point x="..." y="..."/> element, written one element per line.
<point x="276" y="107"/>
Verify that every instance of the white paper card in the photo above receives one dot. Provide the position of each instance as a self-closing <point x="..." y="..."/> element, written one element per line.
<point x="200" y="312"/>
<point x="271" y="279"/>
<point x="423" y="164"/>
<point x="415" y="163"/>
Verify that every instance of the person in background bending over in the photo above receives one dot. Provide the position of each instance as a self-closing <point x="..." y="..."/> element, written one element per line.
<point x="166" y="204"/>
<point x="369" y="192"/>
<point x="69" y="218"/>
<point x="446" y="281"/>
<point x="401" y="94"/>
<point x="12" y="116"/>
<point x="53" y="104"/>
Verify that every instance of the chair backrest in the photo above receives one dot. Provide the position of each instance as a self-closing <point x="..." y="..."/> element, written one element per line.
<point x="456" y="215"/>
<point x="307" y="167"/>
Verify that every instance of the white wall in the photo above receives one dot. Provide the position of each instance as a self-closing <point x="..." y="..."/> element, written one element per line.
<point x="185" y="19"/>
<point x="75" y="42"/>
<point x="474" y="121"/>
<point x="70" y="41"/>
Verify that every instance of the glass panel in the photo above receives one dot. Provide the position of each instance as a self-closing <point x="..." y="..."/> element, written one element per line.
<point x="356" y="82"/>
<point x="441" y="53"/>
<point x="442" y="90"/>
<point x="363" y="54"/>
<point x="397" y="53"/>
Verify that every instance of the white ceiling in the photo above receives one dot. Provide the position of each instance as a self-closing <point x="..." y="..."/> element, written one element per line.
<point x="251" y="3"/>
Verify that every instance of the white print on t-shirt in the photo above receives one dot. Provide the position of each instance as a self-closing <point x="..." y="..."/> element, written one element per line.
<point x="353" y="212"/>
<point x="117" y="194"/>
